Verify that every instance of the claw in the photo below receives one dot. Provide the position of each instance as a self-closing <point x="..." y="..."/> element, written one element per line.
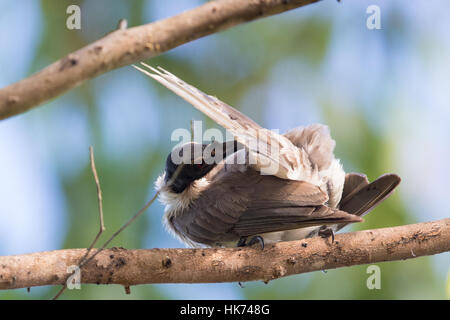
<point x="326" y="232"/>
<point x="256" y="239"/>
<point x="241" y="242"/>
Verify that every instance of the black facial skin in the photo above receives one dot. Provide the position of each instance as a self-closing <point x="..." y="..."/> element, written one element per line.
<point x="193" y="171"/>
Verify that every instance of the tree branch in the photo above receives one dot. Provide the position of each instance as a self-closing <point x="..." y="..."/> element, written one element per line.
<point x="132" y="267"/>
<point x="126" y="46"/>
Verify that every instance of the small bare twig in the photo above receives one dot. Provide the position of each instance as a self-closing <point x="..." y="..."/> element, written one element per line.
<point x="84" y="260"/>
<point x="122" y="24"/>
<point x="142" y="210"/>
<point x="100" y="213"/>
<point x="127" y="289"/>
<point x="99" y="197"/>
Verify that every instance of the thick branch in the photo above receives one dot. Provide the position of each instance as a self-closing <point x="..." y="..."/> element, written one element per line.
<point x="131" y="267"/>
<point x="126" y="46"/>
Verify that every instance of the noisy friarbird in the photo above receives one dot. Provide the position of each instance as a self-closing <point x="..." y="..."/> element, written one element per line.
<point x="226" y="203"/>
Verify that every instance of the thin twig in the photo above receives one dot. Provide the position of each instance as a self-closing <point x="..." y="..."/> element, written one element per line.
<point x="142" y="210"/>
<point x="99" y="197"/>
<point x="122" y="24"/>
<point x="86" y="260"/>
<point x="147" y="205"/>
<point x="100" y="213"/>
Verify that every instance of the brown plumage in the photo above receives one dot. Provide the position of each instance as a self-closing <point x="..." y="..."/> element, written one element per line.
<point x="218" y="204"/>
<point x="239" y="203"/>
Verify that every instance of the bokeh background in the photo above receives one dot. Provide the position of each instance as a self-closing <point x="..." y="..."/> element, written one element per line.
<point x="384" y="93"/>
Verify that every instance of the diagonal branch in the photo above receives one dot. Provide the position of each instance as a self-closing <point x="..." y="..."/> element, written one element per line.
<point x="126" y="46"/>
<point x="132" y="267"/>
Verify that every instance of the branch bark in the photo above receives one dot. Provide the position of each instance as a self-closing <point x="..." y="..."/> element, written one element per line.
<point x="132" y="267"/>
<point x="126" y="46"/>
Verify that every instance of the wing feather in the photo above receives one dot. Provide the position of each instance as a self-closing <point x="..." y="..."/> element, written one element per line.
<point x="271" y="153"/>
<point x="264" y="221"/>
<point x="247" y="203"/>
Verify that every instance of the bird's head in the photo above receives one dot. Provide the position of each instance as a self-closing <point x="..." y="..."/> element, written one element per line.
<point x="193" y="161"/>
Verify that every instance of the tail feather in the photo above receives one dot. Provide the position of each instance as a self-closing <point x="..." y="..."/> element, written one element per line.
<point x="367" y="197"/>
<point x="353" y="183"/>
<point x="272" y="153"/>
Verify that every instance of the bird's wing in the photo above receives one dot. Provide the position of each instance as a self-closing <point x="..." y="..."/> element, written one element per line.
<point x="360" y="197"/>
<point x="247" y="203"/>
<point x="271" y="153"/>
<point x="287" y="218"/>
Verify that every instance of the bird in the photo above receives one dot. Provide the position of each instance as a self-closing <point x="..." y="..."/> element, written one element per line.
<point x="289" y="186"/>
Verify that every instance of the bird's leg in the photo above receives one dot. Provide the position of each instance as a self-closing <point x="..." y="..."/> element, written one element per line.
<point x="241" y="242"/>
<point x="326" y="232"/>
<point x="256" y="239"/>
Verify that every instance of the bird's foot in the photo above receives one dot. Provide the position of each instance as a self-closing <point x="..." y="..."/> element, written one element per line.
<point x="256" y="239"/>
<point x="326" y="232"/>
<point x="241" y="242"/>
